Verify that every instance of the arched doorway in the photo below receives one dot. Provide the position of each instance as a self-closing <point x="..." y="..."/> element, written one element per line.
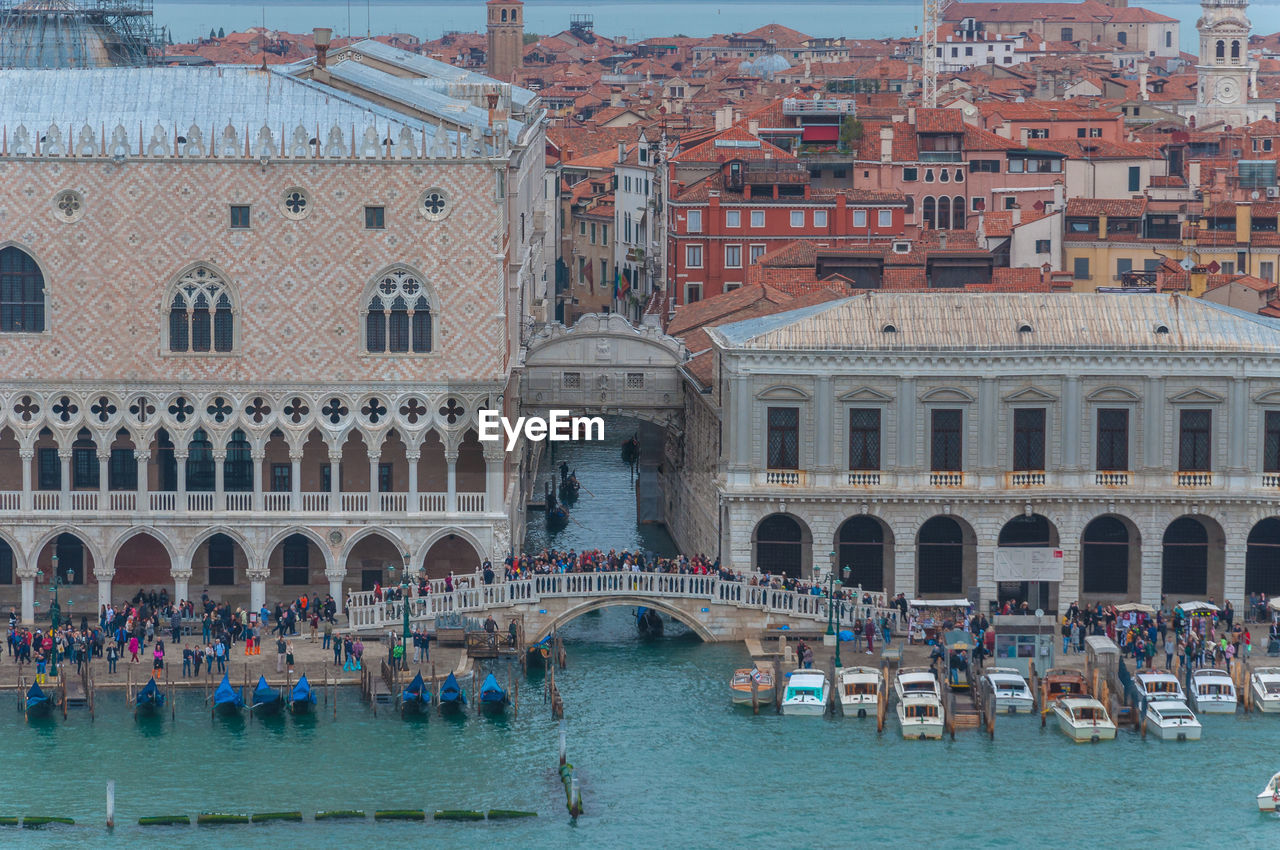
<point x="142" y="565"/>
<point x="946" y="558"/>
<point x="1110" y="560"/>
<point x="1262" y="559"/>
<point x="1029" y="531"/>
<point x="1191" y="563"/>
<point x="218" y="566"/>
<point x="8" y="563"/>
<point x="865" y="545"/>
<point x="295" y="566"/>
<point x="72" y="560"/>
<point x="783" y="545"/>
<point x="452" y="553"/>
<point x="368" y="560"/>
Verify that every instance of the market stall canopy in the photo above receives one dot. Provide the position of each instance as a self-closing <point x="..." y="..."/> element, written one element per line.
<point x="1135" y="606"/>
<point x="940" y="603"/>
<point x="1274" y="603"/>
<point x="1199" y="607"/>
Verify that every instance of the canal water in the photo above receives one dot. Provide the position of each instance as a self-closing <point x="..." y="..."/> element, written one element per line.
<point x="664" y="761"/>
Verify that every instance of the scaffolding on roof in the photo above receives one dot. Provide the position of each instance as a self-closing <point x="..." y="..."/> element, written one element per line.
<point x="78" y="34"/>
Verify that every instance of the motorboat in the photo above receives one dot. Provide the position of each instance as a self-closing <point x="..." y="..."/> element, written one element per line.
<point x="916" y="680"/>
<point x="493" y="697"/>
<point x="226" y="699"/>
<point x="266" y="699"/>
<point x="859" y="690"/>
<point x="1159" y="684"/>
<point x="452" y="696"/>
<point x="921" y="715"/>
<point x="1169" y="719"/>
<point x="416" y="698"/>
<point x="302" y="699"/>
<point x="1084" y="719"/>
<point x="740" y="685"/>
<point x="38" y="702"/>
<point x="1011" y="692"/>
<point x="1265" y="685"/>
<point x="1269" y="796"/>
<point x="1212" y="691"/>
<point x="1059" y="682"/>
<point x="806" y="693"/>
<point x="148" y="700"/>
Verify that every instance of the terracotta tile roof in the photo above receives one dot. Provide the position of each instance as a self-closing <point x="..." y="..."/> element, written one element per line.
<point x="1215" y="281"/>
<point x="997" y="223"/>
<point x="708" y="151"/>
<point x="1086" y="12"/>
<point x="1173" y="181"/>
<point x="939" y="121"/>
<point x="1107" y="206"/>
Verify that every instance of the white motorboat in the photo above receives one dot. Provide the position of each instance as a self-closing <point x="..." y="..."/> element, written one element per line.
<point x="921" y="715"/>
<point x="1084" y="719"/>
<point x="1265" y="684"/>
<point x="1012" y="694"/>
<point x="742" y="681"/>
<point x="1213" y="692"/>
<point x="916" y="680"/>
<point x="1169" y="719"/>
<point x="1158" y="684"/>
<point x="1269" y="796"/>
<point x="805" y="693"/>
<point x="859" y="690"/>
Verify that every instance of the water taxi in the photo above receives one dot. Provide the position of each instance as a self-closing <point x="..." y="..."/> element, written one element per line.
<point x="806" y="693"/>
<point x="1213" y="692"/>
<point x="1265" y="684"/>
<point x="920" y="710"/>
<point x="1084" y="719"/>
<point x="1169" y="719"/>
<point x="916" y="680"/>
<point x="1159" y="684"/>
<point x="859" y="690"/>
<point x="1060" y="682"/>
<point x="740" y="686"/>
<point x="1269" y="796"/>
<point x="1012" y="694"/>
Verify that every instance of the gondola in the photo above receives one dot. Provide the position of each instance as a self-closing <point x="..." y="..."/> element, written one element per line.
<point x="493" y="698"/>
<point x="557" y="517"/>
<point x="452" y="696"/>
<point x="569" y="489"/>
<point x="630" y="450"/>
<point x="416" y="698"/>
<point x="149" y="700"/>
<point x="38" y="702"/>
<point x="226" y="699"/>
<point x="266" y="699"/>
<point x="539" y="652"/>
<point x="302" y="700"/>
<point x="648" y="622"/>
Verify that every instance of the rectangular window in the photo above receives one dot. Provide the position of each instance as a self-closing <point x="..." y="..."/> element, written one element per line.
<point x="692" y="293"/>
<point x="1080" y="270"/>
<point x="1228" y="268"/>
<point x="604" y="234"/>
<point x="282" y="478"/>
<point x="1042" y="246"/>
<point x="1135" y="177"/>
<point x="582" y="228"/>
<point x="385" y="477"/>
<point x="693" y="256"/>
<point x="797" y="218"/>
<point x="84" y="469"/>
<point x="571" y="380"/>
<point x="1194" y="433"/>
<point x="122" y="470"/>
<point x="1113" y="440"/>
<point x="6" y="565"/>
<point x="375" y="218"/>
<point x="757" y="251"/>
<point x="1123" y="266"/>
<point x="1028" y="439"/>
<point x="635" y="380"/>
<point x="910" y="175"/>
<point x="1267" y="271"/>
<point x="694" y="221"/>
<point x="326" y="477"/>
<point x="819" y="218"/>
<point x="859" y="218"/>
<point x="757" y="218"/>
<point x="864" y="438"/>
<point x="48" y="470"/>
<point x="239" y="217"/>
<point x="593" y="233"/>
<point x="733" y="256"/>
<point x="1271" y="442"/>
<point x="733" y="218"/>
<point x="947" y="443"/>
<point x="885" y="218"/>
<point x="784" y="438"/>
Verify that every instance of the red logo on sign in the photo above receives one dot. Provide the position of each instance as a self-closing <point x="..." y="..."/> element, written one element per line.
<point x="1057" y="553"/>
<point x="1214" y="267"/>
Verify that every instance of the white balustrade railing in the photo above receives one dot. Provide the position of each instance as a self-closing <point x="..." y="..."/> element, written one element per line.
<point x="432" y="503"/>
<point x="471" y="503"/>
<point x="202" y="502"/>
<point x="125" y="501"/>
<point x="315" y="502"/>
<point x="241" y="502"/>
<point x="84" y="500"/>
<point x="46" y="500"/>
<point x="278" y="502"/>
<point x="1111" y="479"/>
<point x="393" y="503"/>
<point x="164" y="501"/>
<point x="355" y="502"/>
<point x="10" y="500"/>
<point x="1194" y="479"/>
<point x="471" y="595"/>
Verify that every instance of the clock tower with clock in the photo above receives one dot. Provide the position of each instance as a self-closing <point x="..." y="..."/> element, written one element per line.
<point x="1226" y="76"/>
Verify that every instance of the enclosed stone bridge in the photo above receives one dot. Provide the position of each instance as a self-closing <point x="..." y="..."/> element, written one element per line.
<point x="713" y="608"/>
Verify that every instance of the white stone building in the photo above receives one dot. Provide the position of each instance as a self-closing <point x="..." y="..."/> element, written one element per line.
<point x="908" y="436"/>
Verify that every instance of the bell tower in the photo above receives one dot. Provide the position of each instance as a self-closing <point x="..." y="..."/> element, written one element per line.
<point x="1224" y="71"/>
<point x="506" y="38"/>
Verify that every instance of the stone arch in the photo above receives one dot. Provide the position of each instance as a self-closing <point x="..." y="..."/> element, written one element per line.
<point x="946" y="557"/>
<point x="1192" y="559"/>
<point x="368" y="554"/>
<point x="1110" y="559"/>
<point x="1026" y="531"/>
<point x="370" y="531"/>
<point x="14" y="555"/>
<point x="611" y="601"/>
<point x="865" y="544"/>
<point x="239" y="539"/>
<point x="142" y="557"/>
<point x="781" y="543"/>
<point x="1262" y="558"/>
<point x="309" y="533"/>
<point x="446" y="552"/>
<point x="53" y="542"/>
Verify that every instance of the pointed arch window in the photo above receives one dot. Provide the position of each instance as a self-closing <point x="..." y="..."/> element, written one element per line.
<point x="22" y="292"/>
<point x="399" y="316"/>
<point x="201" y="313"/>
<point x="201" y="471"/>
<point x="237" y="469"/>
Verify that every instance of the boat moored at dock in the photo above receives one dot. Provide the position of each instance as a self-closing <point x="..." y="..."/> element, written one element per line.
<point x="452" y="697"/>
<point x="493" y="697"/>
<point x="149" y="699"/>
<point x="1169" y="719"/>
<point x="1213" y="692"/>
<point x="266" y="699"/>
<point x="1269" y="796"/>
<point x="806" y="693"/>
<point x="1084" y="719"/>
<point x="39" y="704"/>
<point x="1265" y="685"/>
<point x="740" y="685"/>
<point x="1159" y="684"/>
<point x="227" y="701"/>
<point x="859" y="690"/>
<point x="302" y="699"/>
<point x="921" y="713"/>
<point x="1012" y="694"/>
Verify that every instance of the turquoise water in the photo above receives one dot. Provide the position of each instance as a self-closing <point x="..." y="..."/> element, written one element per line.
<point x="664" y="760"/>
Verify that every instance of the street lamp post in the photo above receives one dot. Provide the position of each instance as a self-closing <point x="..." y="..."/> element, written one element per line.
<point x="55" y="610"/>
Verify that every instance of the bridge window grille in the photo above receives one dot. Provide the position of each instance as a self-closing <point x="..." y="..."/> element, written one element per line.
<point x="571" y="380"/>
<point x="1184" y="567"/>
<point x="635" y="380"/>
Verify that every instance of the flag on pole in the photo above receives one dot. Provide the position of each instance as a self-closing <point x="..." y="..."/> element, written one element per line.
<point x="625" y="284"/>
<point x="617" y="282"/>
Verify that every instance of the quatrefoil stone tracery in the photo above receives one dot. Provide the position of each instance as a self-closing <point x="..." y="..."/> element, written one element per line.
<point x="452" y="411"/>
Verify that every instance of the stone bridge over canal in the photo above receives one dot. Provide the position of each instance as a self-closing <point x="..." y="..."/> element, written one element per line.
<point x="715" y="609"/>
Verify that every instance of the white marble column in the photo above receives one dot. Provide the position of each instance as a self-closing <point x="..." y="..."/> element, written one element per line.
<point x="906" y="428"/>
<point x="1070" y="425"/>
<point x="180" y="460"/>
<point x="451" y="495"/>
<point x="219" y="480"/>
<point x="1152" y="562"/>
<point x="104" y="586"/>
<point x="257" y="457"/>
<point x="181" y="584"/>
<point x="295" y="481"/>
<point x="374" y="462"/>
<point x="104" y="480"/>
<point x="142" y="460"/>
<point x="494" y="478"/>
<point x="1153" y="426"/>
<point x="335" y="480"/>
<point x="257" y="589"/>
<point x="824" y="414"/>
<point x="904" y="566"/>
<point x="64" y="456"/>
<point x="1069" y="587"/>
<point x="26" y="456"/>
<point x="336" y="578"/>
<point x="28" y="578"/>
<point x="1238" y="401"/>
<point x="413" y="506"/>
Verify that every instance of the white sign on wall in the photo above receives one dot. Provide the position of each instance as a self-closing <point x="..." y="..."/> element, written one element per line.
<point x="1032" y="563"/>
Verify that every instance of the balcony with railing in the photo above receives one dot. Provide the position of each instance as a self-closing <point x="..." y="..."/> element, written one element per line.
<point x="784" y="478"/>
<point x="1112" y="478"/>
<point x="864" y="478"/>
<point x="96" y="502"/>
<point x="1025" y="478"/>
<point x="1193" y="480"/>
<point x="946" y="479"/>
